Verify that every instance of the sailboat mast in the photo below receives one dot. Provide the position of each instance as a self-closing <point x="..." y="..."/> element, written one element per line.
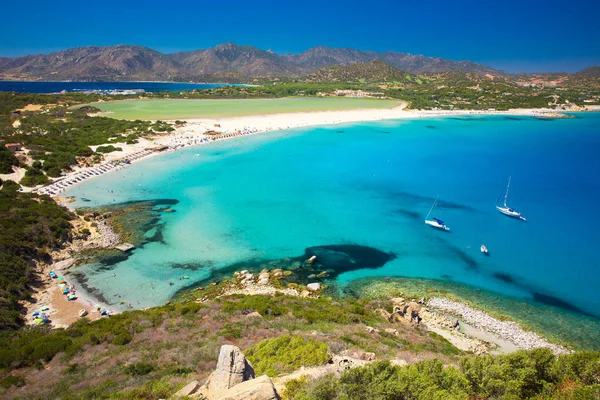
<point x="507" y="188"/>
<point x="433" y="205"/>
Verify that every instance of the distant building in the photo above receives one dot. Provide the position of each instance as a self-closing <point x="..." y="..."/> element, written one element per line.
<point x="358" y="94"/>
<point x="14" y="147"/>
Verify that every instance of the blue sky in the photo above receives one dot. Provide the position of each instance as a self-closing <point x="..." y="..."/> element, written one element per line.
<point x="517" y="36"/>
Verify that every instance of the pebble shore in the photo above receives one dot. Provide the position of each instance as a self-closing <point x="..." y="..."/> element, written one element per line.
<point x="507" y="330"/>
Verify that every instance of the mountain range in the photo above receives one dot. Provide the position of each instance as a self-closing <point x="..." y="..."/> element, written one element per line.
<point x="227" y="62"/>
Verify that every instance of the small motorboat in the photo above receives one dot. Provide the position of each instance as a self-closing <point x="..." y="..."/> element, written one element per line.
<point x="484" y="250"/>
<point x="82" y="313"/>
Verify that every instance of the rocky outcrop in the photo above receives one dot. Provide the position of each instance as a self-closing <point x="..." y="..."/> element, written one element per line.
<point x="261" y="388"/>
<point x="233" y="379"/>
<point x="232" y="369"/>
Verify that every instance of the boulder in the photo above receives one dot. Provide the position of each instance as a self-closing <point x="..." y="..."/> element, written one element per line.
<point x="304" y="293"/>
<point x="232" y="369"/>
<point x="64" y="264"/>
<point x="313" y="286"/>
<point x="260" y="388"/>
<point x="263" y="275"/>
<point x="263" y="281"/>
<point x="391" y="331"/>
<point x="277" y="273"/>
<point x="188" y="390"/>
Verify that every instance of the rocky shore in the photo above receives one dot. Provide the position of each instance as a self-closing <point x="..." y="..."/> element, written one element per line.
<point x="507" y="330"/>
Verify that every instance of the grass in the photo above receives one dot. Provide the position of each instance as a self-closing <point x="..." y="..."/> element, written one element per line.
<point x="168" y="109"/>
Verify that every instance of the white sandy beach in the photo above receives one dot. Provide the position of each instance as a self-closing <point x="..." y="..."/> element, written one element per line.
<point x="194" y="132"/>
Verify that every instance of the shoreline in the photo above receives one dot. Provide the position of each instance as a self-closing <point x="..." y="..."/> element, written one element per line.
<point x="193" y="133"/>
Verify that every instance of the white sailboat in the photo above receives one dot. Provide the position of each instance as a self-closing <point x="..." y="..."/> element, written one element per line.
<point x="504" y="209"/>
<point x="434" y="222"/>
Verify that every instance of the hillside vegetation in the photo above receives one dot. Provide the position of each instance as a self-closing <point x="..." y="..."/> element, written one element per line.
<point x="30" y="227"/>
<point x="152" y="353"/>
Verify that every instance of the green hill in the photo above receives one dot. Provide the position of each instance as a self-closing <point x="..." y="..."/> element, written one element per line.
<point x="375" y="71"/>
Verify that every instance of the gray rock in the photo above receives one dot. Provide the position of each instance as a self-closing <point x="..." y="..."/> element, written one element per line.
<point x="188" y="390"/>
<point x="260" y="388"/>
<point x="232" y="369"/>
<point x="313" y="286"/>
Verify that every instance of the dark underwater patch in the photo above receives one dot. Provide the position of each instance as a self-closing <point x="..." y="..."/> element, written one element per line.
<point x="513" y="118"/>
<point x="541" y="297"/>
<point x="331" y="259"/>
<point x="82" y="280"/>
<point x="408" y="213"/>
<point x="431" y="127"/>
<point x="558" y="303"/>
<point x="187" y="266"/>
<point x="506" y="278"/>
<point x="379" y="131"/>
<point x="339" y="131"/>
<point x="414" y="198"/>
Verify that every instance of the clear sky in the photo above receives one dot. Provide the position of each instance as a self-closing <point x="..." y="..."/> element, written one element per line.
<point x="517" y="36"/>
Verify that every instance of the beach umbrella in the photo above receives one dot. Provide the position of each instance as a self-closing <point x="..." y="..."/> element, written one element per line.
<point x="45" y="308"/>
<point x="38" y="320"/>
<point x="62" y="278"/>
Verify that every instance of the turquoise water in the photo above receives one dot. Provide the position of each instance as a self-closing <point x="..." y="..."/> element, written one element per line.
<point x="271" y="196"/>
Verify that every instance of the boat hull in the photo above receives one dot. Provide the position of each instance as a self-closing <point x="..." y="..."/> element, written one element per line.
<point x="511" y="213"/>
<point x="437" y="225"/>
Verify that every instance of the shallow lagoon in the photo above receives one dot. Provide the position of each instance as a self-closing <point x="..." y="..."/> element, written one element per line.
<point x="175" y="108"/>
<point x="271" y="196"/>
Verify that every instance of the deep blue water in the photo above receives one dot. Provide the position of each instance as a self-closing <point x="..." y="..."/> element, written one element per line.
<point x="271" y="196"/>
<point x="56" y="87"/>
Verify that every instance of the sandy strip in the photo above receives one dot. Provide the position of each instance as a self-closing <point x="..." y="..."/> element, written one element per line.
<point x="193" y="133"/>
<point x="506" y="330"/>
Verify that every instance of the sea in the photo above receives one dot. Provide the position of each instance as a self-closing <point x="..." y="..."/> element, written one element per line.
<point x="357" y="195"/>
<point x="57" y="87"/>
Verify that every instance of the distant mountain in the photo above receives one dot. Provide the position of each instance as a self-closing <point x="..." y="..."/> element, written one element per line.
<point x="226" y="62"/>
<point x="319" y="57"/>
<point x="121" y="62"/>
<point x="368" y="72"/>
<point x="593" y="72"/>
<point x="244" y="60"/>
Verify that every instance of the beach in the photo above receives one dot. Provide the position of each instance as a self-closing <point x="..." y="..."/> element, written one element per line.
<point x="193" y="133"/>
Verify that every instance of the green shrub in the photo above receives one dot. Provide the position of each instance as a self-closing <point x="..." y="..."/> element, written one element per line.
<point x="12" y="380"/>
<point x="285" y="354"/>
<point x="7" y="160"/>
<point x="138" y="369"/>
<point x="34" y="177"/>
<point x="107" y="149"/>
<point x="122" y="339"/>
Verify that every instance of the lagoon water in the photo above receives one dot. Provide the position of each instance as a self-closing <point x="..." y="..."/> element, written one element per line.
<point x="270" y="196"/>
<point x="56" y="87"/>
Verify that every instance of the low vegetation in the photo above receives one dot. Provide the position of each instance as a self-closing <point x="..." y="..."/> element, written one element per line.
<point x="522" y="375"/>
<point x="160" y="349"/>
<point x="30" y="226"/>
<point x="285" y="354"/>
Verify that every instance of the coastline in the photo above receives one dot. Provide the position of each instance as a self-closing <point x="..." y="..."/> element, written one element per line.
<point x="193" y="133"/>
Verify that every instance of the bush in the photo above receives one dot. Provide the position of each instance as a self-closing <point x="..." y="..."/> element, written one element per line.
<point x="34" y="177"/>
<point x="12" y="380"/>
<point x="107" y="149"/>
<point x="122" y="339"/>
<point x="138" y="369"/>
<point x="7" y="160"/>
<point x="285" y="354"/>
